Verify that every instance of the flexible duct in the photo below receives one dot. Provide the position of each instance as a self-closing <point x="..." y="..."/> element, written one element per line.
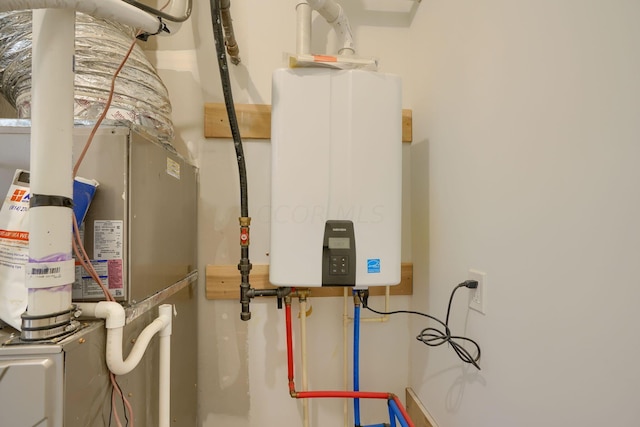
<point x="140" y="96"/>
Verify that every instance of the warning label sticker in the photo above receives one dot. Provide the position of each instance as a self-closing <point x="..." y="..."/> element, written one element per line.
<point x="110" y="274"/>
<point x="107" y="239"/>
<point x="173" y="168"/>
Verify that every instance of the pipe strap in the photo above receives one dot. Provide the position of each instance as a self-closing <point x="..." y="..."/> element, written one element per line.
<point x="40" y="200"/>
<point x="45" y="327"/>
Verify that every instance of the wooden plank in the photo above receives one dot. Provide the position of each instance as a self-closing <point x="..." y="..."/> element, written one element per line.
<point x="416" y="410"/>
<point x="254" y="121"/>
<point x="407" y="125"/>
<point x="223" y="282"/>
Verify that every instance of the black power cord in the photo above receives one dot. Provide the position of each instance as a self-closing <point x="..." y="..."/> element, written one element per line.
<point x="434" y="337"/>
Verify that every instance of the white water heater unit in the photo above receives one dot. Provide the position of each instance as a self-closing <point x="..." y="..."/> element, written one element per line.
<point x="336" y="192"/>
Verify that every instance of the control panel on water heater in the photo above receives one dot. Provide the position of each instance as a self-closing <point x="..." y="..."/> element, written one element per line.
<point x="339" y="254"/>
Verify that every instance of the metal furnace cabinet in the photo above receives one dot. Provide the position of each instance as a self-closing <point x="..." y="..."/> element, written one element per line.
<point x="151" y="192"/>
<point x="66" y="383"/>
<point x="142" y="224"/>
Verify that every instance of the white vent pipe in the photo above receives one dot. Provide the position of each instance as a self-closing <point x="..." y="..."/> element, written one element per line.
<point x="51" y="163"/>
<point x="303" y="28"/>
<point x="334" y="15"/>
<point x="115" y="10"/>
<point x="114" y="315"/>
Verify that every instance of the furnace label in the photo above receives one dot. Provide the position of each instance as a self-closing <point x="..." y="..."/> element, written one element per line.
<point x="107" y="239"/>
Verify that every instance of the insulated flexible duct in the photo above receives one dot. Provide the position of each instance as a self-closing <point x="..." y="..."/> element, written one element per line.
<point x="140" y="96"/>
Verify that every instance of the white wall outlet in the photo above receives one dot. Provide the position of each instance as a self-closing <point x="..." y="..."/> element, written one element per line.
<point x="478" y="296"/>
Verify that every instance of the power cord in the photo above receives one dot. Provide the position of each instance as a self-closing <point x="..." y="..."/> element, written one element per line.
<point x="434" y="337"/>
<point x="124" y="408"/>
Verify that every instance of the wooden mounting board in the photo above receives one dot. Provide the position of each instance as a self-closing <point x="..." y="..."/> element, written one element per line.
<point x="416" y="410"/>
<point x="254" y="121"/>
<point x="223" y="282"/>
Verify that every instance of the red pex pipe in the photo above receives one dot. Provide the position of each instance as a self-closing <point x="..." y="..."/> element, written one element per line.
<point x="403" y="411"/>
<point x="289" y="348"/>
<point x="331" y="394"/>
<point x="342" y="394"/>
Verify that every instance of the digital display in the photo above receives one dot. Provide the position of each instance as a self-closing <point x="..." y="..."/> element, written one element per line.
<point x="339" y="243"/>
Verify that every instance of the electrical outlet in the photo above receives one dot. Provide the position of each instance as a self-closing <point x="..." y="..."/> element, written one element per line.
<point x="478" y="296"/>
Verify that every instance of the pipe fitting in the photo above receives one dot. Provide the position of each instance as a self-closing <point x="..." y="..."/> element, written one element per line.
<point x="229" y="35"/>
<point x="245" y="300"/>
<point x="333" y="13"/>
<point x="165" y="312"/>
<point x="245" y="315"/>
<point x="114" y="316"/>
<point x="112" y="312"/>
<point x="284" y="292"/>
<point x="115" y="360"/>
<point x="244" y="266"/>
<point x="302" y="294"/>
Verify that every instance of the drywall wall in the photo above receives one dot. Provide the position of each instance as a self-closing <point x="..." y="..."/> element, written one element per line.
<point x="525" y="164"/>
<point x="243" y="373"/>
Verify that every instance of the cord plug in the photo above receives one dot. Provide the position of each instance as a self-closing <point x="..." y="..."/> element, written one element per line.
<point x="471" y="284"/>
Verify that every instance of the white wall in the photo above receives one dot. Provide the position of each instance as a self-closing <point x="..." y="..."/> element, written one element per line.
<point x="527" y="117"/>
<point x="243" y="375"/>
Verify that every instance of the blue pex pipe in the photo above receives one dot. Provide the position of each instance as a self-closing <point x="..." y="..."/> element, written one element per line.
<point x="393" y="409"/>
<point x="392" y="415"/>
<point x="356" y="363"/>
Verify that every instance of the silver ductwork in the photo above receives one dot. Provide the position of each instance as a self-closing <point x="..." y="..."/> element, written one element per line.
<point x="140" y="96"/>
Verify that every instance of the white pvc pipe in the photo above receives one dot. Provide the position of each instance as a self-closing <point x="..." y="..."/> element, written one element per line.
<point x="328" y="9"/>
<point x="115" y="318"/>
<point x="164" y="393"/>
<point x="115" y="361"/>
<point x="114" y="315"/>
<point x="115" y="10"/>
<point x="334" y="15"/>
<point x="303" y="344"/>
<point x="51" y="159"/>
<point x="303" y="28"/>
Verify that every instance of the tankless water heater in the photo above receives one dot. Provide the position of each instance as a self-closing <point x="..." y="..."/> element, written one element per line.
<point x="336" y="178"/>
